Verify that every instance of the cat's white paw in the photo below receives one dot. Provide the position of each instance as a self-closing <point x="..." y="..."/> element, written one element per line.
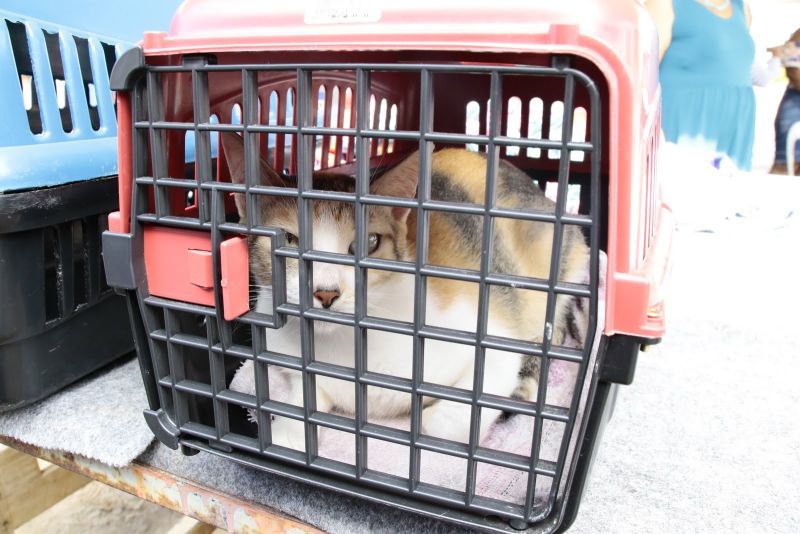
<point x="289" y="433"/>
<point x="446" y="421"/>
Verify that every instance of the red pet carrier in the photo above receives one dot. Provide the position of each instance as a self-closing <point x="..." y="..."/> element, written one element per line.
<point x="567" y="92"/>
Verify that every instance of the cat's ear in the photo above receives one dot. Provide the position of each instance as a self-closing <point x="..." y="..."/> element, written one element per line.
<point x="401" y="181"/>
<point x="233" y="147"/>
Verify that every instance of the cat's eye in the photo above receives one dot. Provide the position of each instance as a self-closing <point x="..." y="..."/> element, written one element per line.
<point x="291" y="239"/>
<point x="373" y="242"/>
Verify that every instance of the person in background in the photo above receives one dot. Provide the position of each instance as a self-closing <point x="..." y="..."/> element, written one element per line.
<point x="789" y="108"/>
<point x="707" y="53"/>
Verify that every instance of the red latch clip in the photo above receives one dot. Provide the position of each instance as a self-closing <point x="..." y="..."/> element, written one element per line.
<point x="235" y="277"/>
<point x="200" y="270"/>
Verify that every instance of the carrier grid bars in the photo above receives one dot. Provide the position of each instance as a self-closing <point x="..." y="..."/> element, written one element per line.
<point x="162" y="317"/>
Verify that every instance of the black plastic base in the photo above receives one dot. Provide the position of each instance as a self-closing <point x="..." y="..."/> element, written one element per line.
<point x="59" y="321"/>
<point x="32" y="368"/>
<point x="620" y="355"/>
<point x="519" y="524"/>
<point x="617" y="355"/>
<point x="164" y="430"/>
<point x="602" y="409"/>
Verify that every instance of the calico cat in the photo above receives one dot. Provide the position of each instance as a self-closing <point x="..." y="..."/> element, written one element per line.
<point x="455" y="240"/>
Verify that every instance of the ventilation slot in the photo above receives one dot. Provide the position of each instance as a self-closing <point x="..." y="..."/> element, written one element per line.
<point x="383" y="111"/>
<point x="287" y="158"/>
<point x="333" y="122"/>
<point x="236" y="114"/>
<point x="110" y="53"/>
<point x="348" y="118"/>
<point x="87" y="81"/>
<point x="556" y="125"/>
<point x="52" y="275"/>
<point x="579" y="118"/>
<point x="80" y="264"/>
<point x="392" y="126"/>
<point x="59" y="81"/>
<point x="372" y="112"/>
<point x="320" y="146"/>
<point x="271" y="112"/>
<point x="101" y="223"/>
<point x="472" y="123"/>
<point x="535" y="118"/>
<point x="20" y="48"/>
<point x="513" y="123"/>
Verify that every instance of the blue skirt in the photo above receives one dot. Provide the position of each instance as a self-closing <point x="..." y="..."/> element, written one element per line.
<point x="719" y="119"/>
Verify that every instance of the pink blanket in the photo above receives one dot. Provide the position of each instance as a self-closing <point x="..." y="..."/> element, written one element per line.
<point x="513" y="435"/>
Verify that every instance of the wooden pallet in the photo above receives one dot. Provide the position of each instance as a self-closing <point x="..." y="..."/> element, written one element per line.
<point x="29" y="486"/>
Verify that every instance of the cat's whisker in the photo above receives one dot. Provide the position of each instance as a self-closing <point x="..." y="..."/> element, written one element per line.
<point x="378" y="166"/>
<point x="261" y="286"/>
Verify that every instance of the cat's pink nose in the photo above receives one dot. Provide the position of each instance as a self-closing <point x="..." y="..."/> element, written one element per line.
<point x="327" y="296"/>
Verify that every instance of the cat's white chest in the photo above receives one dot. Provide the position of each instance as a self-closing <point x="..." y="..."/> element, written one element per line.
<point x="386" y="353"/>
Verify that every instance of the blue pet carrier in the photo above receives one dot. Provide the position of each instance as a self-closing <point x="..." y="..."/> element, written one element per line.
<point x="58" y="163"/>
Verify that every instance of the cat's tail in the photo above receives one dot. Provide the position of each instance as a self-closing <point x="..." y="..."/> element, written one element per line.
<point x="576" y="322"/>
<point x="572" y="333"/>
<point x="528" y="383"/>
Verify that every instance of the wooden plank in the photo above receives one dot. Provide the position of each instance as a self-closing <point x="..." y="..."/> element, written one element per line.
<point x="26" y="490"/>
<point x="207" y="505"/>
<point x="17" y="472"/>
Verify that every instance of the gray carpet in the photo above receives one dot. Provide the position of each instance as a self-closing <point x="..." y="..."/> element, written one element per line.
<point x="99" y="417"/>
<point x="326" y="510"/>
<point x="706" y="439"/>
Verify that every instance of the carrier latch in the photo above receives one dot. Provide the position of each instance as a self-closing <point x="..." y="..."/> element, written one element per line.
<point x="180" y="266"/>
